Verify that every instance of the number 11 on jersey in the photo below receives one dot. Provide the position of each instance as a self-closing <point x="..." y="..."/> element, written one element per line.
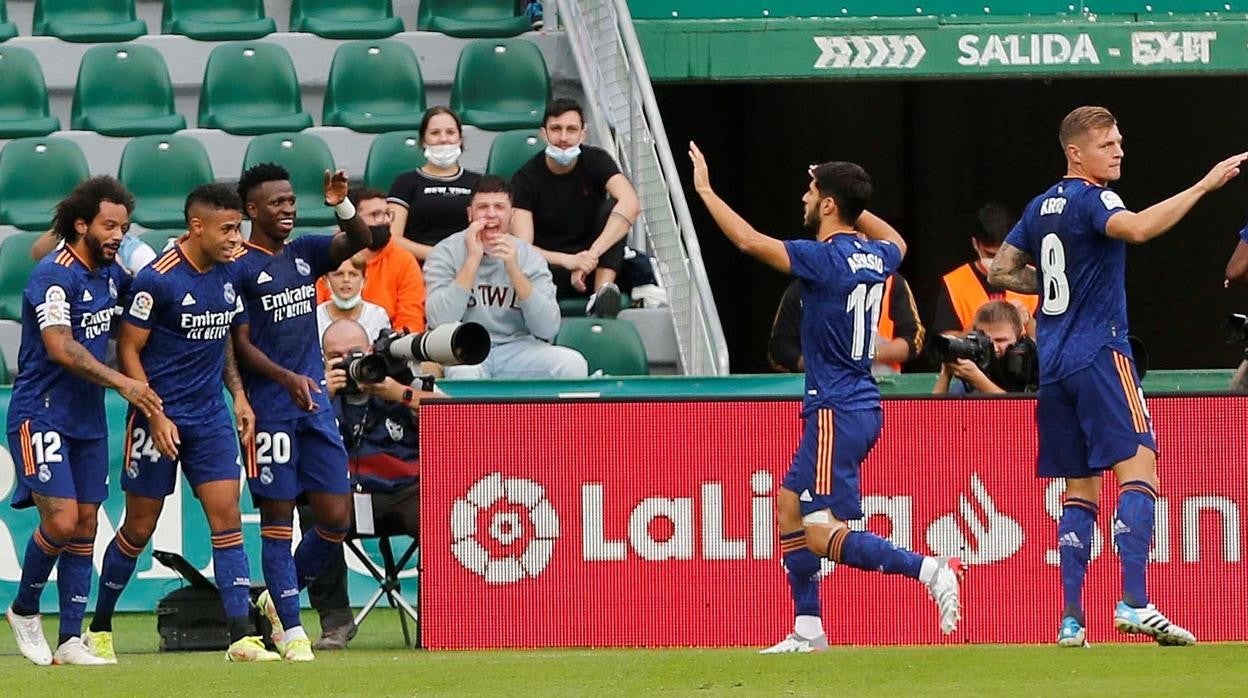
<point x="864" y="305"/>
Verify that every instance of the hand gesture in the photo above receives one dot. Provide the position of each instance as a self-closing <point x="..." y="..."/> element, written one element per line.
<point x="300" y="389"/>
<point x="335" y="379"/>
<point x="165" y="435"/>
<point x="245" y="418"/>
<point x="503" y="249"/>
<point x="472" y="239"/>
<point x="335" y="187"/>
<point x="701" y="175"/>
<point x="1222" y="173"/>
<point x="141" y="396"/>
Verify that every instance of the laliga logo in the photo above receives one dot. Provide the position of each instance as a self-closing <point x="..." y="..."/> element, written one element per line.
<point x="993" y="537"/>
<point x="512" y="510"/>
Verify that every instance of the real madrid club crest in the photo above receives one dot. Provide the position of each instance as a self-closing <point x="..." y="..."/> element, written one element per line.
<point x="112" y="288"/>
<point x="228" y="290"/>
<point x="44" y="473"/>
<point x="266" y="475"/>
<point x="302" y="266"/>
<point x="395" y="429"/>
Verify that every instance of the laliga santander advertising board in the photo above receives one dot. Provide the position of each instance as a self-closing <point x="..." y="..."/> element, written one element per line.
<point x="650" y="523"/>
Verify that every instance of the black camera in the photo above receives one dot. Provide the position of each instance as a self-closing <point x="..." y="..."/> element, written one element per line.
<point x="452" y="344"/>
<point x="1235" y="329"/>
<point x="975" y="347"/>
<point x="1017" y="370"/>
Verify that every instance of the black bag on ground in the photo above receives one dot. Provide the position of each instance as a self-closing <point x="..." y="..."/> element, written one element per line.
<point x="191" y="618"/>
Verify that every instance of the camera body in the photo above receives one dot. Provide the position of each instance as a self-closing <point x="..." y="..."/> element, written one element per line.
<point x="1017" y="370"/>
<point x="975" y="347"/>
<point x="452" y="344"/>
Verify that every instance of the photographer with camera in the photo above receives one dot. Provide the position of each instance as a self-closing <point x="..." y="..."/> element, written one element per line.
<point x="377" y="420"/>
<point x="994" y="357"/>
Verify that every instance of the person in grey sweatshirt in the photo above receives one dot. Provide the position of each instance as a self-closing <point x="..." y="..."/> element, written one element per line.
<point x="485" y="274"/>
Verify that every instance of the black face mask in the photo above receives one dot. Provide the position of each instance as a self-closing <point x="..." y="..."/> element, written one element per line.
<point x="381" y="236"/>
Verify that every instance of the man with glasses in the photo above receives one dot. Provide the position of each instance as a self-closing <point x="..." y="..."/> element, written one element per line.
<point x="393" y="279"/>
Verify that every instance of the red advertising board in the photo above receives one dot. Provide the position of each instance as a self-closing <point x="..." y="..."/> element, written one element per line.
<point x="649" y="523"/>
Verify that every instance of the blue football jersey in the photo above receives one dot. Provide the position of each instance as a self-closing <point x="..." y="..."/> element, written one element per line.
<point x="842" y="282"/>
<point x="1083" y="295"/>
<point x="189" y="313"/>
<point x="279" y="293"/>
<point x="65" y="291"/>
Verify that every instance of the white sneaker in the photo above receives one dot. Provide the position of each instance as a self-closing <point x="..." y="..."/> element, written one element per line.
<point x="796" y="643"/>
<point x="1149" y="621"/>
<point x="28" y="631"/>
<point x="944" y="591"/>
<point x="72" y="651"/>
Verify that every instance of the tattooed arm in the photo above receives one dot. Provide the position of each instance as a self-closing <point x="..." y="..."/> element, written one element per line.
<point x="243" y="414"/>
<point x="1012" y="270"/>
<point x="73" y="357"/>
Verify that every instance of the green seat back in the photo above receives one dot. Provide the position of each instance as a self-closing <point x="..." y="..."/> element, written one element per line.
<point x="216" y="20"/>
<point x="15" y="268"/>
<point x="501" y="84"/>
<point x="345" y="19"/>
<point x="267" y="101"/>
<point x="511" y="149"/>
<point x="390" y="155"/>
<point x="611" y="346"/>
<point x="6" y="377"/>
<point x="306" y="157"/>
<point x="124" y="90"/>
<point x="158" y="240"/>
<point x="36" y="173"/>
<point x="8" y="29"/>
<point x="471" y="18"/>
<point x="373" y="87"/>
<point x="89" y="21"/>
<point x="24" y="107"/>
<point x="160" y="171"/>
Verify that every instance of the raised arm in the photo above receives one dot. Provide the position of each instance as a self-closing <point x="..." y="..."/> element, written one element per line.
<point x="356" y="234"/>
<point x="1145" y="225"/>
<point x="1237" y="265"/>
<point x="769" y="250"/>
<point x="1010" y="270"/>
<point x="877" y="228"/>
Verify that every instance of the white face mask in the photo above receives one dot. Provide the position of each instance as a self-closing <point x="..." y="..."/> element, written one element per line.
<point x="561" y="156"/>
<point x="347" y="303"/>
<point x="443" y="155"/>
<point x="986" y="262"/>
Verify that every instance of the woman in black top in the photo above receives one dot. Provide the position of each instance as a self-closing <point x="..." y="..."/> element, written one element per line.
<point x="431" y="203"/>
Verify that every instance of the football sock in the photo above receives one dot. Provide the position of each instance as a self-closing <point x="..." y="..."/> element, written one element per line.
<point x="41" y="554"/>
<point x="73" y="584"/>
<point x="867" y="551"/>
<point x="1074" y="545"/>
<point x="314" y="552"/>
<point x="119" y="560"/>
<point x="233" y="577"/>
<point x="802" y="567"/>
<point x="1133" y="534"/>
<point x="279" y="571"/>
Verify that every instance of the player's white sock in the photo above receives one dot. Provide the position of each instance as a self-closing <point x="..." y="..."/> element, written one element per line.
<point x="808" y="627"/>
<point x="295" y="633"/>
<point x="928" y="570"/>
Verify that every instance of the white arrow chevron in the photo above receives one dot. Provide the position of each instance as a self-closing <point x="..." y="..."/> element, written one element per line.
<point x="896" y="51"/>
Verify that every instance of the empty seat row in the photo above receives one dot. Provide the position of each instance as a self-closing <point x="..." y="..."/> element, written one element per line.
<point x="159" y="170"/>
<point x="95" y="21"/>
<point x="374" y="86"/>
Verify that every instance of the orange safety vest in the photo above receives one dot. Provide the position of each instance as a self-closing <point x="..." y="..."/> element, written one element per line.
<point x="968" y="294"/>
<point x="885" y="330"/>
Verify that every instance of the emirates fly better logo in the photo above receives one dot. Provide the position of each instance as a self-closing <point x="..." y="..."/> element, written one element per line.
<point x="504" y="529"/>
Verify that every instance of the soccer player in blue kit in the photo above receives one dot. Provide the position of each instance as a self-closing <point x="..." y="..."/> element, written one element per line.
<point x="842" y="273"/>
<point x="175" y="333"/>
<point x="298" y="450"/>
<point x="1090" y="409"/>
<point x="56" y="427"/>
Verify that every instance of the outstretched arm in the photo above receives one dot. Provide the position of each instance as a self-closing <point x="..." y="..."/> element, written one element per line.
<point x="769" y="250"/>
<point x="1010" y="270"/>
<point x="1237" y="265"/>
<point x="1156" y="219"/>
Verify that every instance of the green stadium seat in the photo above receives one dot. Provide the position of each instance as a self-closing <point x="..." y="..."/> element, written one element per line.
<point x="36" y="173"/>
<point x="501" y="84"/>
<point x="345" y="19"/>
<point x="216" y="20"/>
<point x="24" y="107"/>
<point x="124" y="90"/>
<point x="373" y="87"/>
<point x="88" y="21"/>
<point x="8" y="29"/>
<point x="575" y="307"/>
<point x="266" y="101"/>
<point x="160" y="171"/>
<point x="15" y="267"/>
<point x="471" y="18"/>
<point x="611" y="346"/>
<point x="306" y="157"/>
<point x="6" y="377"/>
<point x="159" y="239"/>
<point x="300" y="232"/>
<point x="511" y="149"/>
<point x="390" y="155"/>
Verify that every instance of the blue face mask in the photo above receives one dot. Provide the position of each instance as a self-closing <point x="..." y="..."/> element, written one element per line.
<point x="563" y="157"/>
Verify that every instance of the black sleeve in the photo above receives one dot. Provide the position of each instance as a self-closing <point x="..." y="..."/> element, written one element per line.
<point x="946" y="318"/>
<point x="905" y="317"/>
<point x="601" y="166"/>
<point x="401" y="190"/>
<point x="784" y="348"/>
<point x="522" y="194"/>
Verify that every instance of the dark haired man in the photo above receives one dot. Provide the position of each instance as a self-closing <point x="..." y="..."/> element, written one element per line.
<point x="576" y="207"/>
<point x="966" y="288"/>
<point x="842" y="271"/>
<point x="56" y="427"/>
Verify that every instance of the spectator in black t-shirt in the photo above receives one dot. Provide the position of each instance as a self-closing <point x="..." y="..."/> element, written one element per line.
<point x="430" y="203"/>
<point x="573" y="203"/>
